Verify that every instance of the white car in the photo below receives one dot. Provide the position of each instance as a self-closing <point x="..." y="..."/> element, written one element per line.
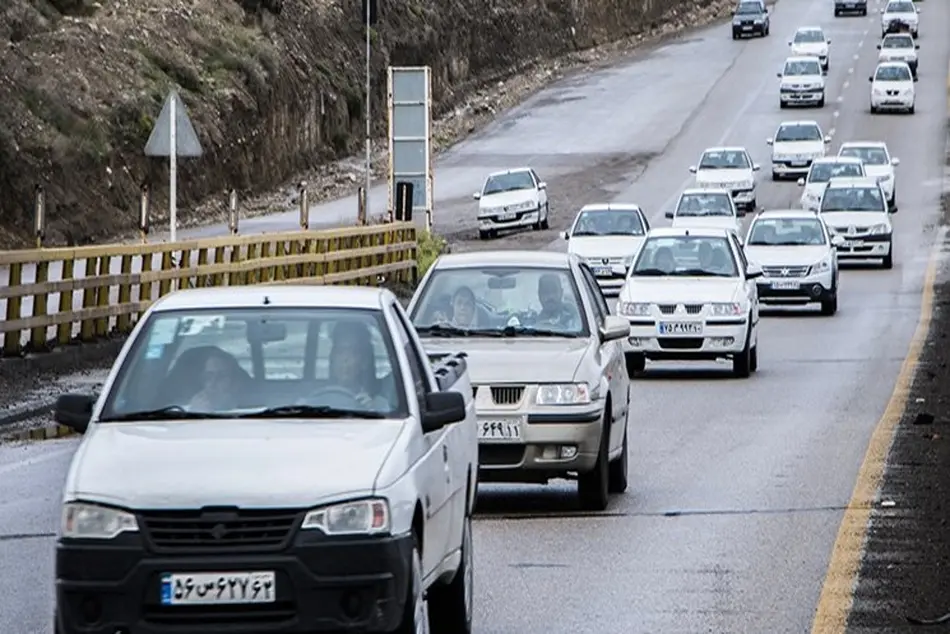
<point x="691" y="295"/>
<point x="904" y="12"/>
<point x="802" y="83"/>
<point x="795" y="145"/>
<point x="892" y="88"/>
<point x="728" y="168"/>
<point x="798" y="259"/>
<point x="706" y="208"/>
<point x="824" y="169"/>
<point x="607" y="236"/>
<point x="856" y="210"/>
<point x="512" y="199"/>
<point x="899" y="47"/>
<point x="810" y="41"/>
<point x="878" y="164"/>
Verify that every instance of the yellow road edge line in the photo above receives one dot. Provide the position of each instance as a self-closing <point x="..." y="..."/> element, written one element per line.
<point x="837" y="590"/>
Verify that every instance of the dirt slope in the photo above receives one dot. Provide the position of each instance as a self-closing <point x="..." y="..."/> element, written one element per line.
<point x="274" y="87"/>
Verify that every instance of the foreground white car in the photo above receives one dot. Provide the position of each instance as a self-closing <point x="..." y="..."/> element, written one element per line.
<point x="878" y="164"/>
<point x="798" y="259"/>
<point x="899" y="47"/>
<point x="607" y="236"/>
<point x="512" y="199"/>
<point x="706" y="209"/>
<point x="824" y="169"/>
<point x="802" y="82"/>
<point x="795" y="145"/>
<point x="856" y="210"/>
<point x="900" y="11"/>
<point x="810" y="41"/>
<point x="892" y="88"/>
<point x="728" y="168"/>
<point x="690" y="295"/>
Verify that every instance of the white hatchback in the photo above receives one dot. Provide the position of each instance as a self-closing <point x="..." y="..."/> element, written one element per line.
<point x="811" y="41"/>
<point x="728" y="168"/>
<point x="823" y="170"/>
<point x="706" y="208"/>
<point x="856" y="209"/>
<point x="892" y="88"/>
<point x="607" y="236"/>
<point x="795" y="145"/>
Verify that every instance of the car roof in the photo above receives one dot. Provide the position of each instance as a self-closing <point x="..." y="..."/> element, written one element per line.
<point x="610" y="207"/>
<point x="892" y="63"/>
<point x="784" y="213"/>
<point x="725" y="148"/>
<point x="808" y="28"/>
<point x="706" y="191"/>
<point x="513" y="170"/>
<point x="702" y="232"/>
<point x="841" y="182"/>
<point x="838" y="159"/>
<point x="802" y="58"/>
<point x="543" y="259"/>
<point x="880" y="144"/>
<point x="283" y="295"/>
<point x="799" y="122"/>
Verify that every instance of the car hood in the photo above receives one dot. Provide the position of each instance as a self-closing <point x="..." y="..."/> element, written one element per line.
<point x="190" y="464"/>
<point x="802" y="80"/>
<point x="502" y="199"/>
<point x="803" y="148"/>
<point x="605" y="246"/>
<point x="892" y="85"/>
<point x="687" y="290"/>
<point x="818" y="49"/>
<point x="707" y="222"/>
<point x="804" y="255"/>
<point x="854" y="218"/>
<point x="877" y="171"/>
<point x="897" y="54"/>
<point x="909" y="18"/>
<point x="514" y="360"/>
<point x="726" y="177"/>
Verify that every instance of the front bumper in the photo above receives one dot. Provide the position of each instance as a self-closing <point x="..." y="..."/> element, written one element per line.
<point x="722" y="337"/>
<point x="748" y="28"/>
<point x="501" y="221"/>
<point x="866" y="246"/>
<point x="798" y="290"/>
<point x="801" y="97"/>
<point x="321" y="585"/>
<point x="851" y="5"/>
<point x="892" y="102"/>
<point x="798" y="167"/>
<point x="744" y="197"/>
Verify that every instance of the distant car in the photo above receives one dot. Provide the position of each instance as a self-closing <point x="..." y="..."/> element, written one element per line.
<point x="899" y="16"/>
<point x="878" y="164"/>
<point x="798" y="259"/>
<point x="728" y="168"/>
<point x="856" y="209"/>
<point x="823" y="170"/>
<point x="750" y="17"/>
<point x="691" y="295"/>
<point x="795" y="145"/>
<point x="706" y="208"/>
<point x="512" y="199"/>
<point x="899" y="47"/>
<point x="843" y="7"/>
<point x="802" y="82"/>
<point x="892" y="88"/>
<point x="810" y="41"/>
<point x="607" y="236"/>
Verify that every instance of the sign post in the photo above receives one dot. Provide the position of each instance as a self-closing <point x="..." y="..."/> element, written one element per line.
<point x="173" y="136"/>
<point x="410" y="137"/>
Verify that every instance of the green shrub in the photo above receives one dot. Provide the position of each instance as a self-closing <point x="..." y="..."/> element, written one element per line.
<point x="431" y="246"/>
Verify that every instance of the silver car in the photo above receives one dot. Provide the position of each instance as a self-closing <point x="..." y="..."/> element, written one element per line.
<point x="546" y="364"/>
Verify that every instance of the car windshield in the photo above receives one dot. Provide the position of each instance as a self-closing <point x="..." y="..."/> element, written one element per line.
<point x="497" y="301"/>
<point x="892" y="73"/>
<point x="798" y="132"/>
<point x="809" y="36"/>
<point x="259" y="362"/>
<point x="853" y="199"/>
<point x="724" y="159"/>
<point x="685" y="256"/>
<point x="782" y="232"/>
<point x="824" y="172"/>
<point x="704" y="204"/>
<point x="608" y="222"/>
<point x="870" y="155"/>
<point x="898" y="41"/>
<point x="900" y="7"/>
<point x="802" y="67"/>
<point x="509" y="182"/>
<point x="748" y="8"/>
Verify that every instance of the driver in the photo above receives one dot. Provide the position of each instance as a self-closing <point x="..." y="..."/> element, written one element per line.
<point x="554" y="310"/>
<point x="705" y="255"/>
<point x="353" y="365"/>
<point x="219" y="378"/>
<point x="464" y="312"/>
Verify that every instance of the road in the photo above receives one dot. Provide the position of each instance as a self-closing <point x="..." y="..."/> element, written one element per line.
<point x="737" y="486"/>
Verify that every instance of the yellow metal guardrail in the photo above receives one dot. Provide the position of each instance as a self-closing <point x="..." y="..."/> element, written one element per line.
<point x="51" y="297"/>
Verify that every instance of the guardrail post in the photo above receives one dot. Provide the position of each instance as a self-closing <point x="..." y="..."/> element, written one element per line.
<point x="145" y="219"/>
<point x="11" y="338"/>
<point x="361" y="206"/>
<point x="304" y="206"/>
<point x="233" y="211"/>
<point x="39" y="215"/>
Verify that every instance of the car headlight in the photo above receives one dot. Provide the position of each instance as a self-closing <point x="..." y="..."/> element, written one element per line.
<point x="563" y="394"/>
<point x="880" y="229"/>
<point x="884" y="179"/>
<point x="91" y="521"/>
<point x="633" y="309"/>
<point x="726" y="310"/>
<point x="526" y="205"/>
<point x="820" y="266"/>
<point x="362" y="517"/>
<point x="628" y="261"/>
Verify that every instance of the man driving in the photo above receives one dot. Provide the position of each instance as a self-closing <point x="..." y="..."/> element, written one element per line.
<point x="554" y="310"/>
<point x="353" y="365"/>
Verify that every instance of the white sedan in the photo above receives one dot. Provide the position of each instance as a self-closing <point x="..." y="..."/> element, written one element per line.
<point x="706" y="208"/>
<point x="691" y="295"/>
<point x="892" y="88"/>
<point x="512" y="199"/>
<point x="728" y="168"/>
<point x="878" y="164"/>
<point x="823" y="170"/>
<point x="795" y="145"/>
<point x="607" y="236"/>
<point x="900" y="12"/>
<point x="856" y="209"/>
<point x="811" y="41"/>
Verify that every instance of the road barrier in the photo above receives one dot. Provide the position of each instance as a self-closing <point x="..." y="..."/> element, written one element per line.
<point x="55" y="296"/>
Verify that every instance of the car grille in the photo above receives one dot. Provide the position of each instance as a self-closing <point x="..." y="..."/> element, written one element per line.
<point x="785" y="271"/>
<point x="228" y="529"/>
<point x="893" y="93"/>
<point x="507" y="394"/>
<point x="691" y="309"/>
<point x="852" y="231"/>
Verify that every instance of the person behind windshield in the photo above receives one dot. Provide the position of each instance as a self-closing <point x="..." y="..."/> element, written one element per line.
<point x="220" y="387"/>
<point x="554" y="310"/>
<point x="718" y="263"/>
<point x="353" y="365"/>
<point x="464" y="312"/>
<point x="705" y="255"/>
<point x="663" y="260"/>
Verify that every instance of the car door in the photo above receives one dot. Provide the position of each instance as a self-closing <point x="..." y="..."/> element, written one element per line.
<point x="751" y="288"/>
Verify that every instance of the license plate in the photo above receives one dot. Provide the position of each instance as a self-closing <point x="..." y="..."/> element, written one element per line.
<point x="747" y="28"/>
<point x="499" y="429"/>
<point x="218" y="588"/>
<point x="798" y="163"/>
<point x="680" y="328"/>
<point x="854" y="243"/>
<point x="508" y="216"/>
<point x="603" y="271"/>
<point x="786" y="285"/>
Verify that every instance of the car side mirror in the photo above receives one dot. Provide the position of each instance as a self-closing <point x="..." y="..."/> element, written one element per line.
<point x="756" y="167"/>
<point x="882" y="11"/>
<point x="827" y="139"/>
<point x="477" y="195"/>
<point x="871" y="79"/>
<point x="892" y="210"/>
<point x="669" y="215"/>
<point x="801" y="182"/>
<point x="692" y="169"/>
<point x="895" y="162"/>
<point x="878" y="47"/>
<point x="542" y="185"/>
<point x="74" y="411"/>
<point x="837" y="241"/>
<point x="753" y="271"/>
<point x="442" y="408"/>
<point x="779" y="75"/>
<point x="741" y="212"/>
<point x="768" y="141"/>
<point x="916" y="79"/>
<point x="565" y="235"/>
<point x="917" y="47"/>
<point x="615" y="327"/>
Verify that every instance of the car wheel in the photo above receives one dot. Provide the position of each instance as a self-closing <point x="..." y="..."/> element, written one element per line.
<point x="775" y="176"/>
<point x="415" y="617"/>
<point x="450" y="606"/>
<point x="483" y="235"/>
<point x="888" y="262"/>
<point x="911" y="109"/>
<point x="837" y="13"/>
<point x="821" y="102"/>
<point x="873" y="110"/>
<point x="742" y="361"/>
<point x="830" y="306"/>
<point x="592" y="485"/>
<point x="754" y="358"/>
<point x="735" y="35"/>
<point x="617" y="476"/>
<point x="545" y="224"/>
<point x="636" y="363"/>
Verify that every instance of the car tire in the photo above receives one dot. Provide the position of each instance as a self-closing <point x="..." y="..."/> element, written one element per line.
<point x="912" y="109"/>
<point x="754" y="358"/>
<point x="837" y="13"/>
<point x="617" y="475"/>
<point x="888" y="262"/>
<point x="776" y="177"/>
<point x="483" y="235"/>
<point x="545" y="223"/>
<point x="450" y="605"/>
<point x="636" y="363"/>
<point x="742" y="361"/>
<point x="782" y="105"/>
<point x="830" y="306"/>
<point x="415" y="616"/>
<point x="592" y="486"/>
<point x="735" y="36"/>
<point x="767" y="31"/>
<point x="821" y="102"/>
<point x="873" y="110"/>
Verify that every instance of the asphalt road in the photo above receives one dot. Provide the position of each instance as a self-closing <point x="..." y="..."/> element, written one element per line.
<point x="737" y="486"/>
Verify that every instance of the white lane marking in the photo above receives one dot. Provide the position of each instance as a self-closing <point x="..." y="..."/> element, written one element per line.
<point x="831" y="132"/>
<point x="860" y="44"/>
<point x="850" y="71"/>
<point x="856" y="57"/>
<point x="845" y="86"/>
<point x="835" y="114"/>
<point x="840" y="99"/>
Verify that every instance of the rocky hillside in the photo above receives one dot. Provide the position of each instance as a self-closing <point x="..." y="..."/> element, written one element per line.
<point x="273" y="86"/>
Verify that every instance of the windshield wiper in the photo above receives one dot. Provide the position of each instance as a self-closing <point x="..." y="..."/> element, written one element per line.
<point x="700" y="273"/>
<point x="651" y="273"/>
<point x="171" y="412"/>
<point x="443" y="330"/>
<point x="311" y="411"/>
<point x="584" y="233"/>
<point x="513" y="331"/>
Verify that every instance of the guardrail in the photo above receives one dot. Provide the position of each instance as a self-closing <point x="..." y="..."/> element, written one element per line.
<point x="55" y="296"/>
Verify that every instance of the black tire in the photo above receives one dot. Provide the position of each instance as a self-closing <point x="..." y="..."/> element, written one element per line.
<point x="754" y="358"/>
<point x="782" y="105"/>
<point x="911" y="109"/>
<point x="450" y="606"/>
<point x="545" y="224"/>
<point x="873" y="110"/>
<point x="636" y="363"/>
<point x="484" y="235"/>
<point x="415" y="606"/>
<point x="821" y="102"/>
<point x="742" y="362"/>
<point x="592" y="485"/>
<point x="830" y="306"/>
<point x="888" y="262"/>
<point x="617" y="476"/>
<point x="837" y="13"/>
<point x="776" y="177"/>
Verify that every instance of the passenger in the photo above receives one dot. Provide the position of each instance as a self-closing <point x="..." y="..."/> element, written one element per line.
<point x="353" y="365"/>
<point x="554" y="310"/>
<point x="464" y="310"/>
<point x="663" y="260"/>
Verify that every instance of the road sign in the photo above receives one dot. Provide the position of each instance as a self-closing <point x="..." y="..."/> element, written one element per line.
<point x="410" y="136"/>
<point x="173" y="136"/>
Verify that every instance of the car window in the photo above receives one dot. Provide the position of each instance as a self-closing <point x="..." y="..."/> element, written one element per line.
<point x="900" y="7"/>
<point x="598" y="303"/>
<point x="823" y="172"/>
<point x="892" y="73"/>
<point x="853" y="199"/>
<point x="609" y="222"/>
<point x="509" y="182"/>
<point x="786" y="232"/>
<point x="898" y="41"/>
<point x="798" y="132"/>
<point x="703" y="204"/>
<point x="685" y="256"/>
<point x="870" y="155"/>
<point x="724" y="159"/>
<point x="746" y="8"/>
<point x="802" y="67"/>
<point x="809" y="36"/>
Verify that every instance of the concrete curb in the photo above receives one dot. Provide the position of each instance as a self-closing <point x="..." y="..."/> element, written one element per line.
<point x="46" y="432"/>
